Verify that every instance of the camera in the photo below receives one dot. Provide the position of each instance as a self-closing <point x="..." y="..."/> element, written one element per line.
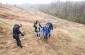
<point x="23" y="33"/>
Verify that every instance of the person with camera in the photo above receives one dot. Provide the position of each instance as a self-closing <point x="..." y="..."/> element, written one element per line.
<point x="16" y="32"/>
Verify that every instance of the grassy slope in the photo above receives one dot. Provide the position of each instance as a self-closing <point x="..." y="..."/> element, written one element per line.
<point x="67" y="37"/>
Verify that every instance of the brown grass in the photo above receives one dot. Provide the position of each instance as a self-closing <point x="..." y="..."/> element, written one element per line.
<point x="67" y="37"/>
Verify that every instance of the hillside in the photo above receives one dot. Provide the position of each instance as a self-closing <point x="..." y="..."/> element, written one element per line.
<point x="68" y="38"/>
<point x="72" y="11"/>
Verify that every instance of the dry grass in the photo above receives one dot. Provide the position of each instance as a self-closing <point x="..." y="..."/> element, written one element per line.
<point x="67" y="37"/>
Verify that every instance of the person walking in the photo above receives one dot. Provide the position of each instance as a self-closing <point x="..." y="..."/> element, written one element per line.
<point x="45" y="30"/>
<point x="16" y="32"/>
<point x="50" y="25"/>
<point x="37" y="27"/>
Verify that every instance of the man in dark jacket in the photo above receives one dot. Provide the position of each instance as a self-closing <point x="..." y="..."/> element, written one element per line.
<point x="50" y="27"/>
<point x="16" y="33"/>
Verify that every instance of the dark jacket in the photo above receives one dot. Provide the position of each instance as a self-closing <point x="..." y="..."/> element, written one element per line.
<point x="16" y="31"/>
<point x="36" y="27"/>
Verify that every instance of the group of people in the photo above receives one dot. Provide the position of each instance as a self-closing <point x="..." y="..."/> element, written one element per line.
<point x="46" y="29"/>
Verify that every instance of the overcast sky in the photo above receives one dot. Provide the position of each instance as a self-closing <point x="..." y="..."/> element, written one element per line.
<point x="32" y="1"/>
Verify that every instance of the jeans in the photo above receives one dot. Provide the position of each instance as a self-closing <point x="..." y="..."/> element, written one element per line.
<point x="38" y="34"/>
<point x="46" y="35"/>
<point x="49" y="34"/>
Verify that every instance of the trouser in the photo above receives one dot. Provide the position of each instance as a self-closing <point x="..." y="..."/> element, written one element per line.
<point x="45" y="35"/>
<point x="49" y="33"/>
<point x="16" y="37"/>
<point x="19" y="42"/>
<point x="38" y="34"/>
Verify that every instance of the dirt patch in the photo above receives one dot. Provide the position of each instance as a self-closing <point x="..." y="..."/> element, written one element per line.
<point x="1" y="31"/>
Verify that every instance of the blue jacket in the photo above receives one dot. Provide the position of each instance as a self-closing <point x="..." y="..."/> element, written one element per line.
<point x="45" y="29"/>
